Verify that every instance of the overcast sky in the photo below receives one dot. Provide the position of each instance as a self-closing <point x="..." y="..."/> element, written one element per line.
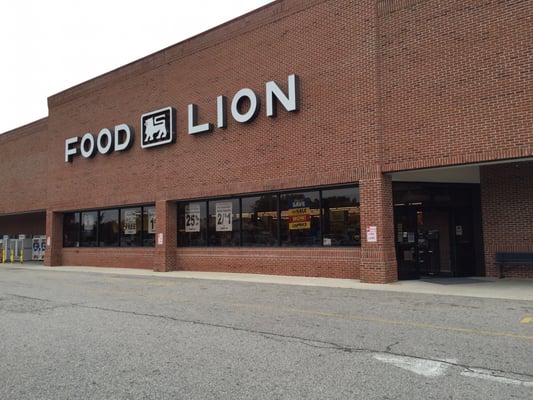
<point x="48" y="46"/>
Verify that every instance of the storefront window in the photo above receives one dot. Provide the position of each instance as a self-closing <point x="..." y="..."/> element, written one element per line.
<point x="89" y="229"/>
<point x="224" y="222"/>
<point x="192" y="224"/>
<point x="125" y="227"/>
<point x="300" y="219"/>
<point x="341" y="217"/>
<point x="321" y="217"/>
<point x="260" y="220"/>
<point x="108" y="227"/>
<point x="71" y="229"/>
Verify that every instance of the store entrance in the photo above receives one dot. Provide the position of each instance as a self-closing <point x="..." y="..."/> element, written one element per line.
<point x="436" y="233"/>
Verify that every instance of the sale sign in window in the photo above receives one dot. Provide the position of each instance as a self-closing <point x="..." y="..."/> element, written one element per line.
<point x="192" y="218"/>
<point x="224" y="217"/>
<point x="299" y="214"/>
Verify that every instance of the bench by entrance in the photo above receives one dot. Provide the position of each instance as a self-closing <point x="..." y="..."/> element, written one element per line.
<point x="515" y="259"/>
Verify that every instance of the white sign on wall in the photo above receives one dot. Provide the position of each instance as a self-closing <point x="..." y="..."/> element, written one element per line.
<point x="371" y="234"/>
<point x="192" y="218"/>
<point x="224" y="217"/>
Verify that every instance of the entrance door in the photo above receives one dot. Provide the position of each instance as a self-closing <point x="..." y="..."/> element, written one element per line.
<point x="434" y="241"/>
<point x="438" y="230"/>
<point x="465" y="251"/>
<point x="422" y="242"/>
<point x="406" y="233"/>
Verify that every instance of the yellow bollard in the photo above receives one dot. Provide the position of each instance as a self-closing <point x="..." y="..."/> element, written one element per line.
<point x="12" y="256"/>
<point x="22" y="256"/>
<point x="2" y="257"/>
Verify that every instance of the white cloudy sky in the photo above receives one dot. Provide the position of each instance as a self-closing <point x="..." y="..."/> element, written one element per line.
<point x="47" y="46"/>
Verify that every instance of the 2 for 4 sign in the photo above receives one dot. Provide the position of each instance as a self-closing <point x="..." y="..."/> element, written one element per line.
<point x="224" y="213"/>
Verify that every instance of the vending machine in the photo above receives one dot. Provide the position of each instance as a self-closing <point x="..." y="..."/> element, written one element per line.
<point x="38" y="247"/>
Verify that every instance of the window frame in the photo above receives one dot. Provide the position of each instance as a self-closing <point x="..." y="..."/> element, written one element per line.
<point x="278" y="242"/>
<point x="146" y="239"/>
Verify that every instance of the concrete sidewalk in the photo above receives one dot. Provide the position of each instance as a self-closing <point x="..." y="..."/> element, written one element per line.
<point x="512" y="289"/>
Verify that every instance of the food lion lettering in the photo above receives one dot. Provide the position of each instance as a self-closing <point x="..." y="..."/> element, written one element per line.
<point x="159" y="127"/>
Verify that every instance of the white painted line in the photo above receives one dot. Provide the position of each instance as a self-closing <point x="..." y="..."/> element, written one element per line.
<point x="427" y="368"/>
<point x="489" y="376"/>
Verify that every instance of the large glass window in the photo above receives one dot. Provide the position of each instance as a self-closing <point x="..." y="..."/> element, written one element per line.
<point x="192" y="224"/>
<point x="71" y="229"/>
<point x="300" y="219"/>
<point x="89" y="229"/>
<point x="130" y="226"/>
<point x="260" y="220"/>
<point x="320" y="217"/>
<point x="341" y="218"/>
<point x="224" y="222"/>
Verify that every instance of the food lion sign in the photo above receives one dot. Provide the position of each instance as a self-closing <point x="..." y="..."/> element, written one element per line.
<point x="159" y="127"/>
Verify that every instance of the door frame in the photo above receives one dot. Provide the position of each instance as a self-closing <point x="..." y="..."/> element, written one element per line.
<point x="425" y="198"/>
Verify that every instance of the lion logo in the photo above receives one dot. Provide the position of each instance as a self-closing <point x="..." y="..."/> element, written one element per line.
<point x="158" y="127"/>
<point x="155" y="128"/>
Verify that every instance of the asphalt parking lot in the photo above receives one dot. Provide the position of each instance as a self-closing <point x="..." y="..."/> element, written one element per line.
<point x="136" y="334"/>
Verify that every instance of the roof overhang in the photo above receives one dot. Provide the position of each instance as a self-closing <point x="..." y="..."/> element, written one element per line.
<point x="468" y="173"/>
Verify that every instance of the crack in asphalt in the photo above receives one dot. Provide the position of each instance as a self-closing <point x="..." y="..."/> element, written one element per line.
<point x="326" y="345"/>
<point x="314" y="343"/>
<point x="32" y="309"/>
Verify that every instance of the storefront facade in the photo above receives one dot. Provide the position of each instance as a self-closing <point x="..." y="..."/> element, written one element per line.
<point x="370" y="140"/>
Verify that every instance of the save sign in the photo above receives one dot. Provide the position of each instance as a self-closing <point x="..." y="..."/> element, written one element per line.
<point x="299" y="214"/>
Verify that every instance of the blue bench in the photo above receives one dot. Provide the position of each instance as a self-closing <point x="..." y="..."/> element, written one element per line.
<point x="515" y="259"/>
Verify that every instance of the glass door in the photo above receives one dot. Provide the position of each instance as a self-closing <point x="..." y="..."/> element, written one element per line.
<point x="406" y="233"/>
<point x="423" y="246"/>
<point x="437" y="230"/>
<point x="463" y="237"/>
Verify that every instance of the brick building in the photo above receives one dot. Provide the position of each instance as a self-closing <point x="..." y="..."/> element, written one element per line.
<point x="374" y="140"/>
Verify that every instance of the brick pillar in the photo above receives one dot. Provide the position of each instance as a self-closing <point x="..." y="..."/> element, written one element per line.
<point x="378" y="259"/>
<point x="54" y="238"/>
<point x="165" y="236"/>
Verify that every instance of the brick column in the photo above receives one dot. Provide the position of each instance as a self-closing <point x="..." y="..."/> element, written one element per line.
<point x="378" y="259"/>
<point x="166" y="236"/>
<point x="54" y="238"/>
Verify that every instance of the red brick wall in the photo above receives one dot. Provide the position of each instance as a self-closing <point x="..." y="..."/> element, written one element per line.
<point x="456" y="81"/>
<point x="507" y="204"/>
<point x="323" y="44"/>
<point x="378" y="261"/>
<point x="316" y="262"/>
<point x="331" y="140"/>
<point x="385" y="86"/>
<point x="23" y="172"/>
<point x="108" y="257"/>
